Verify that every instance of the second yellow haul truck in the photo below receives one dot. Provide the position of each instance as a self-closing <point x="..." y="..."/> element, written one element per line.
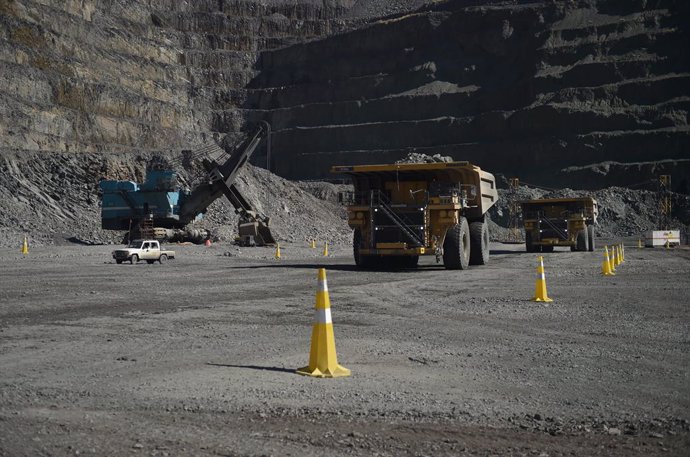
<point x="401" y="211"/>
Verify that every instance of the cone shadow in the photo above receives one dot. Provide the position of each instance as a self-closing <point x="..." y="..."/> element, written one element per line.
<point x="253" y="367"/>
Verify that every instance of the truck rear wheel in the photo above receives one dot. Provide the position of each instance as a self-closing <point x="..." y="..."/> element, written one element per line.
<point x="582" y="244"/>
<point x="134" y="259"/>
<point x="479" y="243"/>
<point x="456" y="246"/>
<point x="590" y="238"/>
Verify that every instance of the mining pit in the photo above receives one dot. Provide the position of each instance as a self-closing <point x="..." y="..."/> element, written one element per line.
<point x="197" y="356"/>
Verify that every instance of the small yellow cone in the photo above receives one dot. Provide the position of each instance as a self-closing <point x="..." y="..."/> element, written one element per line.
<point x="323" y="360"/>
<point x="612" y="259"/>
<point x="325" y="249"/>
<point x="622" y="252"/>
<point x="540" y="288"/>
<point x="639" y="243"/>
<point x="618" y="256"/>
<point x="606" y="264"/>
<point x="667" y="245"/>
<point x="277" y="251"/>
<point x="313" y="244"/>
<point x="25" y="246"/>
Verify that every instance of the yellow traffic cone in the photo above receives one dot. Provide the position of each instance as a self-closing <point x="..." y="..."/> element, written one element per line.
<point x="323" y="361"/>
<point x="540" y="288"/>
<point x="313" y="244"/>
<point x="277" y="251"/>
<point x="667" y="244"/>
<point x="325" y="249"/>
<point x="606" y="264"/>
<point x="618" y="256"/>
<point x="639" y="243"/>
<point x="25" y="246"/>
<point x="612" y="260"/>
<point x="622" y="252"/>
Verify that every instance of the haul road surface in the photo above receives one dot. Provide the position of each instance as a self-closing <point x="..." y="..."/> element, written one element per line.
<point x="197" y="357"/>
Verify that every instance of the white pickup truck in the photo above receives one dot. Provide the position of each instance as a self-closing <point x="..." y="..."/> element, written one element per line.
<point x="149" y="250"/>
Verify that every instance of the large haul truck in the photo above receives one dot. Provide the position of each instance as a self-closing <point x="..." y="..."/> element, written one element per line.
<point x="401" y="211"/>
<point x="551" y="222"/>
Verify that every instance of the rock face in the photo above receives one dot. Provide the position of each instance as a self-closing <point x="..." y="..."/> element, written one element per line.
<point x="558" y="93"/>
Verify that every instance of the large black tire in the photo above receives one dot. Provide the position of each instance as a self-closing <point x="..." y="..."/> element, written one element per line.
<point x="529" y="244"/>
<point x="410" y="261"/>
<point x="162" y="259"/>
<point x="590" y="238"/>
<point x="479" y="243"/>
<point x="456" y="246"/>
<point x="134" y="259"/>
<point x="582" y="241"/>
<point x="361" y="260"/>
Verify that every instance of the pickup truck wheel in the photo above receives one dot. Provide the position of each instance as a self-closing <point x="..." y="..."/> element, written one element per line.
<point x="118" y="262"/>
<point x="134" y="259"/>
<point x="162" y="259"/>
<point x="456" y="246"/>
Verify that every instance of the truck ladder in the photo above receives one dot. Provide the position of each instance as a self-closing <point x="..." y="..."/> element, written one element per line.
<point x="553" y="227"/>
<point x="397" y="220"/>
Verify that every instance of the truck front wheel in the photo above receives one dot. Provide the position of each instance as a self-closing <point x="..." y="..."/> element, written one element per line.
<point x="590" y="238"/>
<point x="479" y="243"/>
<point x="456" y="246"/>
<point x="582" y="240"/>
<point x="134" y="259"/>
<point x="162" y="259"/>
<point x="361" y="260"/>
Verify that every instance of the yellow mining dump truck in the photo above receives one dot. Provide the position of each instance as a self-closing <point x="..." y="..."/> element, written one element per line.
<point x="401" y="211"/>
<point x="559" y="222"/>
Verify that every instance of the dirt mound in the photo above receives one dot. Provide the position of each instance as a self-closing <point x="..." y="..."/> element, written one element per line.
<point x="55" y="199"/>
<point x="416" y="157"/>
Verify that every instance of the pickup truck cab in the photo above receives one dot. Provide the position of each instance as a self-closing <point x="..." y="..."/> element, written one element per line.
<point x="149" y="250"/>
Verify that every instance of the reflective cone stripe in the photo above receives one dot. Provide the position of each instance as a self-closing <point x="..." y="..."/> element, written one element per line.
<point x="606" y="264"/>
<point x="540" y="286"/>
<point x="323" y="360"/>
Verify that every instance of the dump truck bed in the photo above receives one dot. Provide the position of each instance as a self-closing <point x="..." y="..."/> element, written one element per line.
<point x="550" y="206"/>
<point x="480" y="186"/>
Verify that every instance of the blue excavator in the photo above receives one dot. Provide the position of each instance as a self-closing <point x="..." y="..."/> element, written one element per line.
<point x="160" y="209"/>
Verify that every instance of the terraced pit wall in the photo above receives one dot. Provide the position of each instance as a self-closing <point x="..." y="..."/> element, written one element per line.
<point x="581" y="94"/>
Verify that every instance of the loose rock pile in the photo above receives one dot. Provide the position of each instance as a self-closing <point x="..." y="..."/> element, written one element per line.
<point x="55" y="200"/>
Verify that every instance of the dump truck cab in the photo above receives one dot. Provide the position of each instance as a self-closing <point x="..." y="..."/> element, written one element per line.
<point x="401" y="211"/>
<point x="551" y="222"/>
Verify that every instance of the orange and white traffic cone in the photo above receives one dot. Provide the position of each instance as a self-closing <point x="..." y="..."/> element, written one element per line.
<point x="540" y="288"/>
<point x="323" y="360"/>
<point x="606" y="264"/>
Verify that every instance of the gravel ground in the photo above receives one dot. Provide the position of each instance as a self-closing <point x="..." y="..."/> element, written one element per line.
<point x="196" y="357"/>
